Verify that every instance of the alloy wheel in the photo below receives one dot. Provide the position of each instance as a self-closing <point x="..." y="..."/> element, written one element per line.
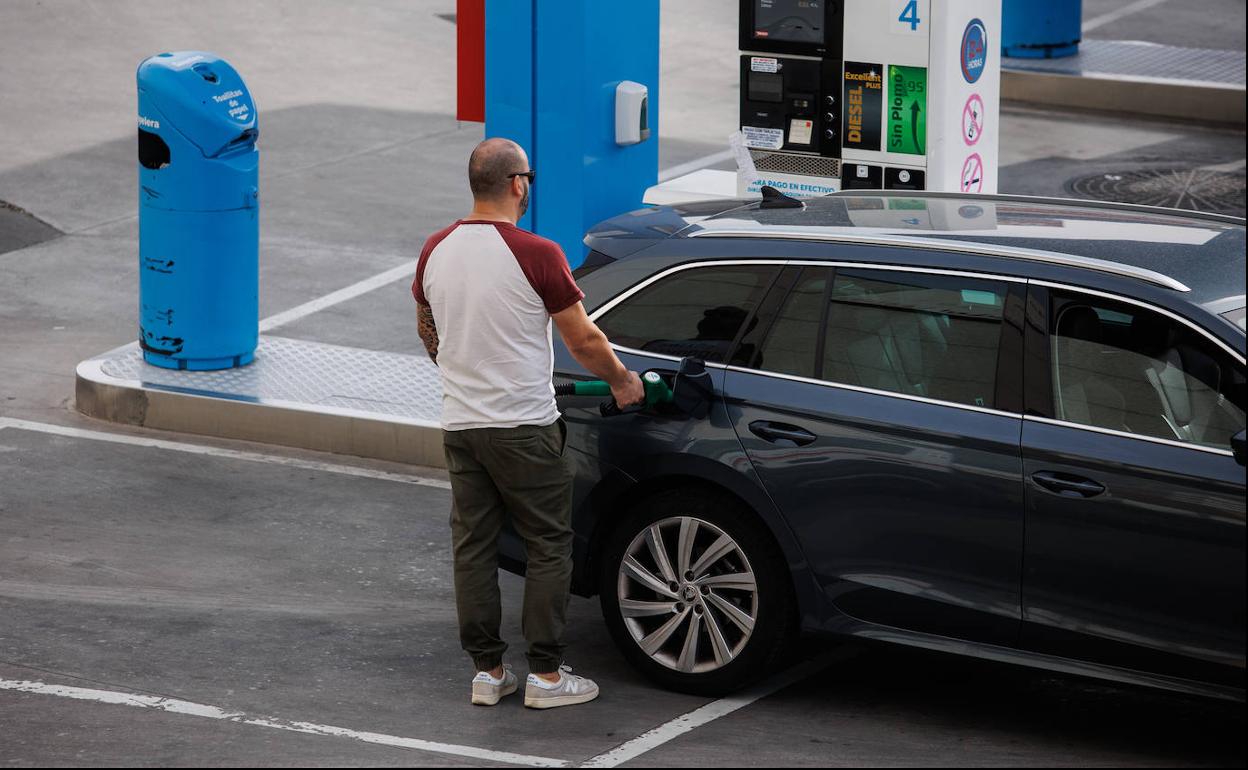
<point x="687" y="594"/>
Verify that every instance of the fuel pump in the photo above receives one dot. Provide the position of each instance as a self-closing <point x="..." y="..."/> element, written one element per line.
<point x="867" y="94"/>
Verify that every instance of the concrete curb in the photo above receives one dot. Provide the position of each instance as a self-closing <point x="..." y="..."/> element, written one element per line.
<point x="1196" y="102"/>
<point x="360" y="435"/>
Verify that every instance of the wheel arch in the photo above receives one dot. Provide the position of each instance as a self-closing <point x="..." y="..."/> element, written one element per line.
<point x="617" y="493"/>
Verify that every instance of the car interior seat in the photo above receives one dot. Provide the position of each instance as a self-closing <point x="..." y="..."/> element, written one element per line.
<point x="1085" y="394"/>
<point x="1186" y="380"/>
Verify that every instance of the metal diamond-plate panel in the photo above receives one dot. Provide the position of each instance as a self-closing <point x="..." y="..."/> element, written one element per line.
<point x="1138" y="59"/>
<point x="788" y="163"/>
<point x="309" y="374"/>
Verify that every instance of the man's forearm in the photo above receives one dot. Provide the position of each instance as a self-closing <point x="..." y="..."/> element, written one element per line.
<point x="595" y="354"/>
<point x="428" y="331"/>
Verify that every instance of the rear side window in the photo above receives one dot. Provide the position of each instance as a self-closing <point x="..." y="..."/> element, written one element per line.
<point x="792" y="343"/>
<point x="931" y="336"/>
<point x="1125" y="368"/>
<point x="697" y="312"/>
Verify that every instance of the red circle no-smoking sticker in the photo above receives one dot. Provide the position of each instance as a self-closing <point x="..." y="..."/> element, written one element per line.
<point x="972" y="120"/>
<point x="973" y="174"/>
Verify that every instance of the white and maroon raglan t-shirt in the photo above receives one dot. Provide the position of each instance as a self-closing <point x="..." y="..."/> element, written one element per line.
<point x="493" y="288"/>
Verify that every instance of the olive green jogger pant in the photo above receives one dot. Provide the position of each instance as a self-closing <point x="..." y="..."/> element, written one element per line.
<point x="519" y="474"/>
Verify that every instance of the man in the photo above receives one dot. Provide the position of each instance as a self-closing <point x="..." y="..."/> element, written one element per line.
<point x="486" y="292"/>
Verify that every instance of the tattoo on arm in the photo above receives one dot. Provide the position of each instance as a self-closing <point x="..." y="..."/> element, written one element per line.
<point x="428" y="330"/>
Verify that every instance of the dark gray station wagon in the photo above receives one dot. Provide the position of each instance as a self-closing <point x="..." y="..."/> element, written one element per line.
<point x="1004" y="427"/>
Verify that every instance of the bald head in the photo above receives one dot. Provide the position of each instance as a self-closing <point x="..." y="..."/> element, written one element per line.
<point x="490" y="167"/>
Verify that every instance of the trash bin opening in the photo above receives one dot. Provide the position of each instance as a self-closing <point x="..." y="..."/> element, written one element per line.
<point x="243" y="141"/>
<point x="153" y="152"/>
<point x="206" y="72"/>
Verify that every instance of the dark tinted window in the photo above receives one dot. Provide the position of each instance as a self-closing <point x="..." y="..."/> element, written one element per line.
<point x="695" y="312"/>
<point x="1125" y="368"/>
<point x="793" y="340"/>
<point x="920" y="335"/>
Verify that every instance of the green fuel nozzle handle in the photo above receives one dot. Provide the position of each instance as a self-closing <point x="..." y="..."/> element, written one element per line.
<point x="657" y="392"/>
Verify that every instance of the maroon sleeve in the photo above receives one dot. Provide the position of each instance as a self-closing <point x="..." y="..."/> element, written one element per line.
<point x="418" y="285"/>
<point x="546" y="268"/>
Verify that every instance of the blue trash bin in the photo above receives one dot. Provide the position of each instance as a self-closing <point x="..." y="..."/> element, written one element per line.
<point x="1041" y="29"/>
<point x="199" y="213"/>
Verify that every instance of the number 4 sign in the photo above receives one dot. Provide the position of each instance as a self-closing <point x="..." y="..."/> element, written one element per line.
<point x="906" y="15"/>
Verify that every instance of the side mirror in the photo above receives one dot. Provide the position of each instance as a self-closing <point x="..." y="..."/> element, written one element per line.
<point x="1239" y="445"/>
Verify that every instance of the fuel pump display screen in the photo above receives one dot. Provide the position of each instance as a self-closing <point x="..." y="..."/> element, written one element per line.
<point x="766" y="87"/>
<point x="789" y="21"/>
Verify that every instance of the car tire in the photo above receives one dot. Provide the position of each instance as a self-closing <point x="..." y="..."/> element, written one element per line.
<point x="735" y="593"/>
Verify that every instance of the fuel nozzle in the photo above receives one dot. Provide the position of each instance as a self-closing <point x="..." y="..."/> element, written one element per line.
<point x="688" y="395"/>
<point x="656" y="390"/>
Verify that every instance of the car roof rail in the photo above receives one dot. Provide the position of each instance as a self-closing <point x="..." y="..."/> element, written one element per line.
<point x="962" y="247"/>
<point x="1086" y="203"/>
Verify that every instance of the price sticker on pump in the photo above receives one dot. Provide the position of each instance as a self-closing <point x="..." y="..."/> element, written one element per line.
<point x="764" y="64"/>
<point x="763" y="138"/>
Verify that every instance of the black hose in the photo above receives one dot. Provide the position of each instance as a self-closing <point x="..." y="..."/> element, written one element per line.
<point x="565" y="389"/>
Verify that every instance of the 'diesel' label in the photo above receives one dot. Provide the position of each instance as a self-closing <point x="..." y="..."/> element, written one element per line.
<point x="863" y="100"/>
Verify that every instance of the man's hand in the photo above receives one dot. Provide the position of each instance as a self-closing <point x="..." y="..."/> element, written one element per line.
<point x="628" y="392"/>
<point x="589" y="346"/>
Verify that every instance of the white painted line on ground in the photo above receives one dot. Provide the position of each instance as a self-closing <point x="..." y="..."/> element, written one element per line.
<point x="1119" y="13"/>
<point x="173" y="706"/>
<point x="694" y="165"/>
<point x="232" y="454"/>
<point x="407" y="270"/>
<point x="684" y="723"/>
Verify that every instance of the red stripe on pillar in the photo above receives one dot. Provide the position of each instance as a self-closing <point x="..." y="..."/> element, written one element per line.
<point x="470" y="56"/>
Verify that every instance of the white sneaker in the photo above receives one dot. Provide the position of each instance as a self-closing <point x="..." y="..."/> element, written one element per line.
<point x="488" y="691"/>
<point x="568" y="691"/>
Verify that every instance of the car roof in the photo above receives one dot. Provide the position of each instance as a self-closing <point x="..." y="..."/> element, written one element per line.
<point x="1188" y="251"/>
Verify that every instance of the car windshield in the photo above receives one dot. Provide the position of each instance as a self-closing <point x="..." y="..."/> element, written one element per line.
<point x="1236" y="317"/>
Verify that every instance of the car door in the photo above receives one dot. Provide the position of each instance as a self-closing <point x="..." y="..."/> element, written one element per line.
<point x="693" y="310"/>
<point x="1135" y="503"/>
<point x="881" y="408"/>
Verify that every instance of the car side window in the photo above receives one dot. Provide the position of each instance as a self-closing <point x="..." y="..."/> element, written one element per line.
<point x="696" y="312"/>
<point x="932" y="336"/>
<point x="1125" y="368"/>
<point x="792" y="342"/>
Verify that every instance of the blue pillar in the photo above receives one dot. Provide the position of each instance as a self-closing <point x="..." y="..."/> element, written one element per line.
<point x="509" y="75"/>
<point x="1041" y="29"/>
<point x="551" y="70"/>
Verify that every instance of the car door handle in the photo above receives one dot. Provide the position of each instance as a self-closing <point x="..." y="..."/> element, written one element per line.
<point x="1067" y="485"/>
<point x="779" y="431"/>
